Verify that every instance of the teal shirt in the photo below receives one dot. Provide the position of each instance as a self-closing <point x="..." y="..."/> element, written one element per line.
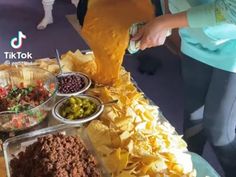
<point x="211" y="37"/>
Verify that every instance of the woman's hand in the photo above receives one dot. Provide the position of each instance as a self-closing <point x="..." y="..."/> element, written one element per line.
<point x="155" y="32"/>
<point x="152" y="34"/>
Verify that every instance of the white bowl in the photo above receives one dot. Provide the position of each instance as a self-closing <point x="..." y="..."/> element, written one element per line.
<point x="86" y="79"/>
<point x="99" y="110"/>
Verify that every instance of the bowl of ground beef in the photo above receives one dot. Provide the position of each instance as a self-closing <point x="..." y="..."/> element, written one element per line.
<point x="59" y="151"/>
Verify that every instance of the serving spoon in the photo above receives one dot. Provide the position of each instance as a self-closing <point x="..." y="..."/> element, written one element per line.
<point x="110" y="102"/>
<point x="58" y="61"/>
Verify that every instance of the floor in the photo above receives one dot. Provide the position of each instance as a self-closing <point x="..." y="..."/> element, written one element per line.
<point x="164" y="87"/>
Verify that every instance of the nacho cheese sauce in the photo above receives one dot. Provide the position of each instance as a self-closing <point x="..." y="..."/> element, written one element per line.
<point x="106" y="30"/>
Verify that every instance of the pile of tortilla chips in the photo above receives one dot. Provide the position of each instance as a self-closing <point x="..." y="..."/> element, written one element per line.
<point x="79" y="62"/>
<point x="132" y="139"/>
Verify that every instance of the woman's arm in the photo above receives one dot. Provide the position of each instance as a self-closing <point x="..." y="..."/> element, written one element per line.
<point x="154" y="32"/>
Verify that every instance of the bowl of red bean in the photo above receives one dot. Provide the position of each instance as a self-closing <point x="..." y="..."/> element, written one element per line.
<point x="72" y="84"/>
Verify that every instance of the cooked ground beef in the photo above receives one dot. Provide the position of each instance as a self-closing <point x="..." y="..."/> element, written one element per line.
<point x="55" y="156"/>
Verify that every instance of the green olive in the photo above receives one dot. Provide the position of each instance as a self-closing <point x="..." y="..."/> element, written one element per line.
<point x="67" y="109"/>
<point x="63" y="113"/>
<point x="76" y="108"/>
<point x="71" y="116"/>
<point x="72" y="100"/>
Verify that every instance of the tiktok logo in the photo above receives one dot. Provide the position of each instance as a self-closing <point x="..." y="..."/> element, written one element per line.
<point x="17" y="42"/>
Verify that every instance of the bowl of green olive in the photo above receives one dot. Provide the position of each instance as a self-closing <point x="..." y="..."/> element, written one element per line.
<point x="77" y="109"/>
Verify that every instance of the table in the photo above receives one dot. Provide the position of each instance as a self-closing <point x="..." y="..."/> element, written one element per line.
<point x="203" y="167"/>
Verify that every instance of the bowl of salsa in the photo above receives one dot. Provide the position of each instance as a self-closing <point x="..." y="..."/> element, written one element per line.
<point x="27" y="94"/>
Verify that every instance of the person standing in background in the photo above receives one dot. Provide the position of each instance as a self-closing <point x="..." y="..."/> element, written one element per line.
<point x="208" y="47"/>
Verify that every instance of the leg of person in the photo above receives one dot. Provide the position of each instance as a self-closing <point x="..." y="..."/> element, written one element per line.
<point x="196" y="78"/>
<point x="75" y="2"/>
<point x="220" y="118"/>
<point x="48" y="18"/>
